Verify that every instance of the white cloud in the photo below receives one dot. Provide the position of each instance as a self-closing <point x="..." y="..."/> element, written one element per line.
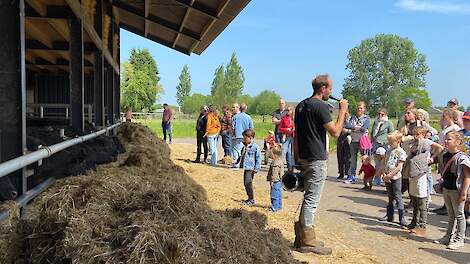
<point x="443" y="7"/>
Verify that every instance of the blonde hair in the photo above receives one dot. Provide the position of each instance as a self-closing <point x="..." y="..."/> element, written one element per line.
<point x="366" y="157"/>
<point x="276" y="150"/>
<point x="419" y="130"/>
<point x="395" y="136"/>
<point x="422" y="115"/>
<point x="458" y="136"/>
<point x="451" y="113"/>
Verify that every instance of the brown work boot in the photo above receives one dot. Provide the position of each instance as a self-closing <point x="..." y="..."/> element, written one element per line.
<point x="309" y="243"/>
<point x="297" y="230"/>
<point x="419" y="231"/>
<point x="298" y="240"/>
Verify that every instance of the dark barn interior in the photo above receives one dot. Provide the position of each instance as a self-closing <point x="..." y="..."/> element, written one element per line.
<point x="60" y="79"/>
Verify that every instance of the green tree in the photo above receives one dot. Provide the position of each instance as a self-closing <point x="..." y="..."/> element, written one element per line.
<point x="136" y="89"/>
<point x="219" y="97"/>
<point x="140" y="87"/>
<point x="381" y="69"/>
<point x="420" y="96"/>
<point x="218" y="82"/>
<point x="248" y="100"/>
<point x="193" y="103"/>
<point x="141" y="59"/>
<point x="183" y="89"/>
<point x="265" y="103"/>
<point x="352" y="103"/>
<point x="234" y="80"/>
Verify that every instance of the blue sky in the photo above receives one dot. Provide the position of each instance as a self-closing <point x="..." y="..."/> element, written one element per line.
<point x="281" y="45"/>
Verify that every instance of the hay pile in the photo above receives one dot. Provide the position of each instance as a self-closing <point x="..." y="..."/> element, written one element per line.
<point x="140" y="209"/>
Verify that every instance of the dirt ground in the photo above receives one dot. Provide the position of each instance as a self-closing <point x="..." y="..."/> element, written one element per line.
<point x="347" y="218"/>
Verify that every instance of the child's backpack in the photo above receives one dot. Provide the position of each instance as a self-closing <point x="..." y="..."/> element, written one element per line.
<point x="418" y="162"/>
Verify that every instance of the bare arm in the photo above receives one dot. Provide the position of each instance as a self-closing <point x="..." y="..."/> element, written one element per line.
<point x="437" y="149"/>
<point x="296" y="146"/>
<point x="275" y="121"/>
<point x="396" y="170"/>
<point x="465" y="184"/>
<point x="335" y="128"/>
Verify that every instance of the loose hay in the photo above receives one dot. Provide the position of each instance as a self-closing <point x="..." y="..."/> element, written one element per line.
<point x="140" y="209"/>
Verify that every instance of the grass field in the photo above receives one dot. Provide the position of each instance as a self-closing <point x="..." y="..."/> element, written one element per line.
<point x="186" y="128"/>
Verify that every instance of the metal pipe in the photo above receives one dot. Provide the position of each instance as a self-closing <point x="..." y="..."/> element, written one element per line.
<point x="28" y="196"/>
<point x="45" y="152"/>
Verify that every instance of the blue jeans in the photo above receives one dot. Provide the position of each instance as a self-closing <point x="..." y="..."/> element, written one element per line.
<point x="226" y="143"/>
<point x="276" y="196"/>
<point x="277" y="136"/>
<point x="237" y="146"/>
<point x="430" y="181"/>
<point x="287" y="152"/>
<point x="354" y="149"/>
<point x="166" y="127"/>
<point x="314" y="173"/>
<point x="212" y="141"/>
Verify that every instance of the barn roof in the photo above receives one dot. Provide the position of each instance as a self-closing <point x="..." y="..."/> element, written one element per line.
<point x="188" y="26"/>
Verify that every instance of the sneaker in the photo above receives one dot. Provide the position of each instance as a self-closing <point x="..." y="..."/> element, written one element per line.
<point x="442" y="241"/>
<point x="340" y="177"/>
<point x="454" y="245"/>
<point x="351" y="180"/>
<point x="196" y="161"/>
<point x="249" y="202"/>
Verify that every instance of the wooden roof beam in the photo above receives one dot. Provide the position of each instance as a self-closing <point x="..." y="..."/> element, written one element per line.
<point x="155" y="19"/>
<point x="89" y="28"/>
<point x="34" y="31"/>
<point x="185" y="17"/>
<point x="38" y="6"/>
<point x="208" y="27"/>
<point x="59" y="25"/>
<point x="152" y="37"/>
<point x="146" y="14"/>
<point x="200" y="8"/>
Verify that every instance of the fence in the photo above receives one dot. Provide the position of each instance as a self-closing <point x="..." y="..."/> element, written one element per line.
<point x="37" y="156"/>
<point x="61" y="111"/>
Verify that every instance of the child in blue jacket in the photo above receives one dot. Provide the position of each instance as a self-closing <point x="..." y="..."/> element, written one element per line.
<point x="250" y="161"/>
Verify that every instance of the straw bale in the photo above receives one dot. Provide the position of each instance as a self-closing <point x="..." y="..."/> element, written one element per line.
<point x="140" y="209"/>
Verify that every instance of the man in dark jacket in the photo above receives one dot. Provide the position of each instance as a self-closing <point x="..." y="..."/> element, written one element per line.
<point x="200" y="131"/>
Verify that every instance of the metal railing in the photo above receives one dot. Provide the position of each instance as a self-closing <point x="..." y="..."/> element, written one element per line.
<point x="15" y="164"/>
<point x="62" y="111"/>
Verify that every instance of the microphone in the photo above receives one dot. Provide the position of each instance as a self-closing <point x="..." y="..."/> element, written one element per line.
<point x="334" y="98"/>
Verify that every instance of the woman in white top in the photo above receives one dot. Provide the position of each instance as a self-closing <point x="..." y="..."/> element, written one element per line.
<point x="449" y="117"/>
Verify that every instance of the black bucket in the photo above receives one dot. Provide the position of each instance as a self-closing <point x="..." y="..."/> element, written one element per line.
<point x="293" y="182"/>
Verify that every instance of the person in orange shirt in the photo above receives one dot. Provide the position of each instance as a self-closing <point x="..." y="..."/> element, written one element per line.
<point x="212" y="132"/>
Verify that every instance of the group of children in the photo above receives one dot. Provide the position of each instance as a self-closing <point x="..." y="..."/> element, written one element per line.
<point x="250" y="161"/>
<point x="414" y="158"/>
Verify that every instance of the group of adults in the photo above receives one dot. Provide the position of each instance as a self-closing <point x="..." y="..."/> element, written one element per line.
<point x="357" y="127"/>
<point x="229" y="126"/>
